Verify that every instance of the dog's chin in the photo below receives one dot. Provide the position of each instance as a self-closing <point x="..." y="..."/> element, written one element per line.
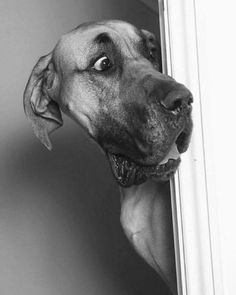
<point x="128" y="173"/>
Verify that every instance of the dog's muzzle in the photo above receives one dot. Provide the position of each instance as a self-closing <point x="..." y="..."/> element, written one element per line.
<point x="153" y="151"/>
<point x="144" y="136"/>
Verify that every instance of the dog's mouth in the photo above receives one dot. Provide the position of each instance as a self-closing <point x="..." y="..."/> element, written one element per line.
<point x="128" y="173"/>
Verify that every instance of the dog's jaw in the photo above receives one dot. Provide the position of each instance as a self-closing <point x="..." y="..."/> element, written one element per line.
<point x="128" y="173"/>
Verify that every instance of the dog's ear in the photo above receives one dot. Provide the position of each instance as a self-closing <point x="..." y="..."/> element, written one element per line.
<point x="43" y="112"/>
<point x="154" y="46"/>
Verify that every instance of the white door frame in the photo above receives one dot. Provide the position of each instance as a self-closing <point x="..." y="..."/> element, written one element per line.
<point x="197" y="255"/>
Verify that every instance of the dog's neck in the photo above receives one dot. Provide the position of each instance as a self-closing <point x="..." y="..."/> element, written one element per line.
<point x="147" y="221"/>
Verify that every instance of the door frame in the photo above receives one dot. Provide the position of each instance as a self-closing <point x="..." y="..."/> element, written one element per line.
<point x="197" y="254"/>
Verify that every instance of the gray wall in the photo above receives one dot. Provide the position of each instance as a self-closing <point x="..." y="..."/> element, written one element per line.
<point x="59" y="211"/>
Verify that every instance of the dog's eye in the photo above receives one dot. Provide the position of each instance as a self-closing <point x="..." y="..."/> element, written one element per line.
<point x="102" y="64"/>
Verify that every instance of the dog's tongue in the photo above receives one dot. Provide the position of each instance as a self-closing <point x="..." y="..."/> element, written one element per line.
<point x="173" y="154"/>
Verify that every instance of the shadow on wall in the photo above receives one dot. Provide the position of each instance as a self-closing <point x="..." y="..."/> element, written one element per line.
<point x="62" y="215"/>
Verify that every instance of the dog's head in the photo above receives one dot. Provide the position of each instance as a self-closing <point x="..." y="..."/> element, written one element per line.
<point x="107" y="77"/>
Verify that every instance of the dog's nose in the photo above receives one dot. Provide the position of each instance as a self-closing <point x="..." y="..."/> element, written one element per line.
<point x="176" y="99"/>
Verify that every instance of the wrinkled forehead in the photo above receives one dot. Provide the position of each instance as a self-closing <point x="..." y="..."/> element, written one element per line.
<point x="85" y="40"/>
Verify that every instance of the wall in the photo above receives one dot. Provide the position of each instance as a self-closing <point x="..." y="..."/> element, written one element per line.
<point x="59" y="211"/>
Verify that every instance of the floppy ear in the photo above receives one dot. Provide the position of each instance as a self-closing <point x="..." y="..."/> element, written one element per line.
<point x="43" y="112"/>
<point x="154" y="46"/>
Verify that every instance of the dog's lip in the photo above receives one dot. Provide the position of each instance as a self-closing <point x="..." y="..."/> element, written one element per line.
<point x="182" y="141"/>
<point x="172" y="154"/>
<point x="128" y="173"/>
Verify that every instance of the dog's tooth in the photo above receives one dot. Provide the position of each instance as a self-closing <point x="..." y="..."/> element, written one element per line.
<point x="173" y="154"/>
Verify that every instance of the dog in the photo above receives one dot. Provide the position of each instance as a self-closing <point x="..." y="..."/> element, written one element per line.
<point x="107" y="77"/>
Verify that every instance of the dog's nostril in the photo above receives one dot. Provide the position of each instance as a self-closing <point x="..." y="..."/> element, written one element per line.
<point x="175" y="100"/>
<point x="173" y="106"/>
<point x="176" y="104"/>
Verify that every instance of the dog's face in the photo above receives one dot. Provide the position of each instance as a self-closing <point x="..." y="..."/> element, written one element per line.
<point x="106" y="76"/>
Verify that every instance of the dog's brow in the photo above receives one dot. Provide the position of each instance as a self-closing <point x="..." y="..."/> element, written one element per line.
<point x="102" y="38"/>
